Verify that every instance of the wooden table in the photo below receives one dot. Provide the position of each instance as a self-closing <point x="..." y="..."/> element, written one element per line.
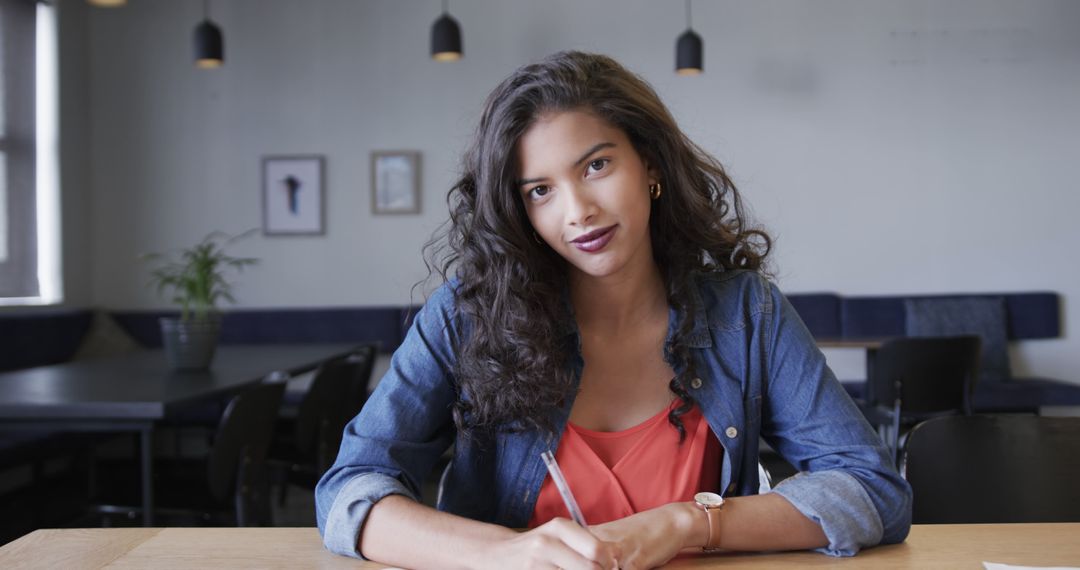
<point x="928" y="546"/>
<point x="132" y="392"/>
<point x="867" y="343"/>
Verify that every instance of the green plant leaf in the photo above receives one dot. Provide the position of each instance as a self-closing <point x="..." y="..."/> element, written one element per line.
<point x="197" y="279"/>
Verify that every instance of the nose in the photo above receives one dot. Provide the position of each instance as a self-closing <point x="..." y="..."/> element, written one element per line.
<point x="580" y="207"/>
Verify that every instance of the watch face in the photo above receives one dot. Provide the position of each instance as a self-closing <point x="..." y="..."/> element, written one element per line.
<point x="709" y="499"/>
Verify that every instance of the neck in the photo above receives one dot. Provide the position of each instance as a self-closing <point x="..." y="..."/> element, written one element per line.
<point x="618" y="302"/>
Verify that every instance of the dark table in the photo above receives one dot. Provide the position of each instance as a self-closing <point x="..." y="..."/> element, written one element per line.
<point x="134" y="391"/>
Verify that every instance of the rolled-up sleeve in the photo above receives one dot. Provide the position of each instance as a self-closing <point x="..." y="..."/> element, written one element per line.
<point x="394" y="442"/>
<point x="848" y="484"/>
<point x="836" y="501"/>
<point x="350" y="508"/>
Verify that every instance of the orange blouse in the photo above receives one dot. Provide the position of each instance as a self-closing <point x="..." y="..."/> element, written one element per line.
<point x="617" y="474"/>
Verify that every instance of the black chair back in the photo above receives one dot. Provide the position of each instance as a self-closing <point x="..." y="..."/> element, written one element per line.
<point x="925" y="374"/>
<point x="320" y="417"/>
<point x="995" y="469"/>
<point x="364" y="360"/>
<point x="236" y="462"/>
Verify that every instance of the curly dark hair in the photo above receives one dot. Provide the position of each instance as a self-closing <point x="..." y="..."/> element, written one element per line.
<point x="513" y="368"/>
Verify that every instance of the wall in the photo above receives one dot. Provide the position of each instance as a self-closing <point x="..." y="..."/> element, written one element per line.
<point x="75" y="193"/>
<point x="892" y="147"/>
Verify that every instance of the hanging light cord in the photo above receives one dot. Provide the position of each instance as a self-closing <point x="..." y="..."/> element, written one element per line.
<point x="688" y="26"/>
<point x="206" y="9"/>
<point x="445" y="7"/>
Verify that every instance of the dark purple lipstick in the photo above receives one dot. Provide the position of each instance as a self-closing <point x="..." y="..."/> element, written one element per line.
<point x="595" y="240"/>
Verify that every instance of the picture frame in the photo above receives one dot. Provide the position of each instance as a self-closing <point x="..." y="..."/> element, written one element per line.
<point x="293" y="195"/>
<point x="395" y="182"/>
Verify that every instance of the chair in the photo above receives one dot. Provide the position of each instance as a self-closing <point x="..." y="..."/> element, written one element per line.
<point x="364" y="359"/>
<point x="983" y="317"/>
<point x="772" y="467"/>
<point x="995" y="469"/>
<point x="988" y="318"/>
<point x="42" y="475"/>
<point x="306" y="444"/>
<point x="230" y="486"/>
<point x="914" y="379"/>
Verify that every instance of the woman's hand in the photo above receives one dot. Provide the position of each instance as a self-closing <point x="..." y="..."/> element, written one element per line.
<point x="559" y="543"/>
<point x="650" y="538"/>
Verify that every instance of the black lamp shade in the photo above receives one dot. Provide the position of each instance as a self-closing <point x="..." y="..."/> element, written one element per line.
<point x="209" y="45"/>
<point x="689" y="54"/>
<point x="446" y="39"/>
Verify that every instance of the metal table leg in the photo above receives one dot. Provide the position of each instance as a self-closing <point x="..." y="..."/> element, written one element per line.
<point x="146" y="440"/>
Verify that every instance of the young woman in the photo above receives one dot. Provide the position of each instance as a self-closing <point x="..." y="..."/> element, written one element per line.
<point x="607" y="304"/>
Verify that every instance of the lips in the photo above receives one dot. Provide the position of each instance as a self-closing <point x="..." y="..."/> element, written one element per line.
<point x="595" y="240"/>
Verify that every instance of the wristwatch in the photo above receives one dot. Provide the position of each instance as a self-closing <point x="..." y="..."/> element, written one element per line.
<point x="712" y="504"/>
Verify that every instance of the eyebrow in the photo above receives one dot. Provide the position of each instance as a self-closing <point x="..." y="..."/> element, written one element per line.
<point x="584" y="157"/>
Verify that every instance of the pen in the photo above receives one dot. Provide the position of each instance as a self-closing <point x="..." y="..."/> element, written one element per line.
<point x="564" y="488"/>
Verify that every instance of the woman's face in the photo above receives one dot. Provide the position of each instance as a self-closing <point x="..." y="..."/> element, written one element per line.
<point x="586" y="192"/>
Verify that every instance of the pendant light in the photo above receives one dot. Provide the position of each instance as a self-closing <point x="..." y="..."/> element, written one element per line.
<point x="107" y="3"/>
<point x="446" y="38"/>
<point x="209" y="43"/>
<point x="688" y="50"/>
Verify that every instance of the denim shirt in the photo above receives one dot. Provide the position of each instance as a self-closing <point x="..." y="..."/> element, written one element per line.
<point x="758" y="372"/>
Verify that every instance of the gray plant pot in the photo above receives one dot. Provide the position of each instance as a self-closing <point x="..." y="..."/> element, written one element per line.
<point x="190" y="345"/>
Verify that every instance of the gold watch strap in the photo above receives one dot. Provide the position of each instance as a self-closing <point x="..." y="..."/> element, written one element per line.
<point x="712" y="514"/>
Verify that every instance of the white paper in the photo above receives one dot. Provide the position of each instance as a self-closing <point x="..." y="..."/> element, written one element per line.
<point x="999" y="566"/>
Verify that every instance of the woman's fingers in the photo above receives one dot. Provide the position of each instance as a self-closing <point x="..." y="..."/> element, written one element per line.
<point x="559" y="543"/>
<point x="576" y="544"/>
<point x="562" y="556"/>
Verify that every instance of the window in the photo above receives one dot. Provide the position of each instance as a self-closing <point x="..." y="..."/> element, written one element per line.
<point x="29" y="207"/>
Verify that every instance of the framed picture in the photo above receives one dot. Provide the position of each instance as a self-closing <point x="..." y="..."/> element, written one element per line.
<point x="292" y="195"/>
<point x="395" y="182"/>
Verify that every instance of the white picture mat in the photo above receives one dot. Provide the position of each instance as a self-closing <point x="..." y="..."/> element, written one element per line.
<point x="305" y="214"/>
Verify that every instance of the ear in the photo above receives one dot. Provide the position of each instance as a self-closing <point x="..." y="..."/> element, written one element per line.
<point x="653" y="173"/>
<point x="654" y="176"/>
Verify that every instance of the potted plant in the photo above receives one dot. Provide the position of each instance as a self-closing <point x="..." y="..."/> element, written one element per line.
<point x="196" y="282"/>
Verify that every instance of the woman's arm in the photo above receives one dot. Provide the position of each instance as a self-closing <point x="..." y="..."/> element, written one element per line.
<point x="402" y="532"/>
<point x="847" y="482"/>
<point x="367" y="503"/>
<point x="761" y="522"/>
<point x="399" y="435"/>
<point x="847" y="496"/>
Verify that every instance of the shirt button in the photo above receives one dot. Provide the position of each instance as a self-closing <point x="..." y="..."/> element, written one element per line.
<point x="731" y="432"/>
<point x="731" y="488"/>
<point x="695" y="383"/>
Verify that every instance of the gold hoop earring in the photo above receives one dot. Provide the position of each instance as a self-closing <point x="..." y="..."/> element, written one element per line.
<point x="655" y="190"/>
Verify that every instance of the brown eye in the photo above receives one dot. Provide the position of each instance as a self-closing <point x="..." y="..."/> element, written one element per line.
<point x="538" y="192"/>
<point x="598" y="164"/>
